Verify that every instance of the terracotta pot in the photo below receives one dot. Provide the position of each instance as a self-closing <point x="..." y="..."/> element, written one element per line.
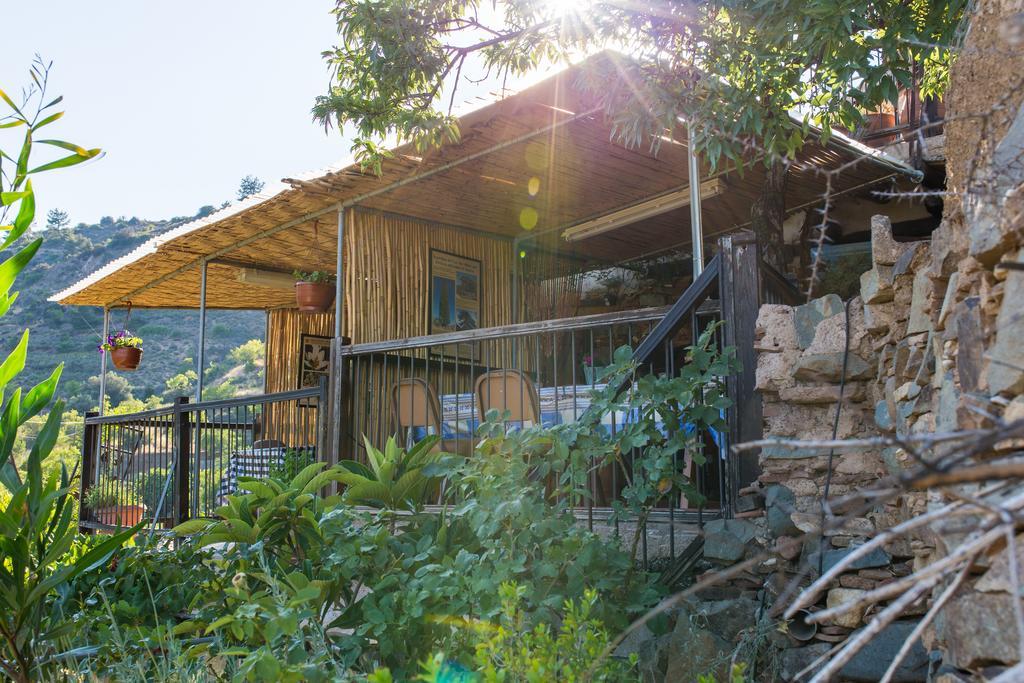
<point x="126" y="357"/>
<point x="314" y="297"/>
<point x="879" y="121"/>
<point x="129" y="515"/>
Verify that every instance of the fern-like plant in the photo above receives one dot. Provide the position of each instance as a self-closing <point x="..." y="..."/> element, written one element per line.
<point x="395" y="479"/>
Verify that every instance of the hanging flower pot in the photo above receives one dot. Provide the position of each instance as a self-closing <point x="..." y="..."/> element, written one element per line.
<point x="125" y="350"/>
<point x="126" y="358"/>
<point x="314" y="292"/>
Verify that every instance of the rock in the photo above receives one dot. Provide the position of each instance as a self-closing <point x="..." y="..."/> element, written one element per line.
<point x="807" y="317"/>
<point x="749" y="502"/>
<point x="884" y="249"/>
<point x="653" y="656"/>
<point x="970" y="346"/>
<point x="876" y="285"/>
<point x="843" y="596"/>
<point x="774" y="327"/>
<point x="870" y="663"/>
<point x="910" y="260"/>
<point x="949" y="300"/>
<point x="726" y="540"/>
<point x="879" y="317"/>
<point x="828" y="367"/>
<point x="634" y="642"/>
<point x="919" y="320"/>
<point x="857" y="581"/>
<point x="997" y="578"/>
<point x="694" y="651"/>
<point x="883" y="418"/>
<point x="875" y="558"/>
<point x="779" y="502"/>
<point x="906" y="391"/>
<point x="978" y="629"/>
<point x="1006" y="364"/>
<point x="727" y="618"/>
<point x="810" y="395"/>
<point x="796" y="659"/>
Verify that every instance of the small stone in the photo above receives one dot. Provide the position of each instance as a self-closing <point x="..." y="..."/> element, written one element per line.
<point x="879" y="318"/>
<point x="884" y="248"/>
<point x="807" y="522"/>
<point x="871" y="661"/>
<point x="876" y="285"/>
<point x="725" y="540"/>
<point x="883" y="418"/>
<point x="919" y="320"/>
<point x="910" y="260"/>
<point x="779" y="503"/>
<point x="694" y="651"/>
<point x="844" y="596"/>
<point x="794" y="660"/>
<point x="875" y="558"/>
<point x="857" y="581"/>
<point x="828" y="367"/>
<point x="1006" y="364"/>
<point x="997" y="578"/>
<point x="948" y="300"/>
<point x="807" y="317"/>
<point x="906" y="391"/>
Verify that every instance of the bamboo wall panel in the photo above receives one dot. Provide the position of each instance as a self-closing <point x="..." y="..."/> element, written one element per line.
<point x="387" y="265"/>
<point x="285" y="327"/>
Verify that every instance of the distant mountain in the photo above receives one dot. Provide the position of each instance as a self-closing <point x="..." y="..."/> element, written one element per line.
<point x="71" y="334"/>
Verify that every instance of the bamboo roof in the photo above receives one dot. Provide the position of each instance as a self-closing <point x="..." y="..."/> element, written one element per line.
<point x="542" y="158"/>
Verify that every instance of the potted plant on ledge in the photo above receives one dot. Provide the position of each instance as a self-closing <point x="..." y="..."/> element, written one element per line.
<point x="125" y="350"/>
<point x="314" y="292"/>
<point x="113" y="503"/>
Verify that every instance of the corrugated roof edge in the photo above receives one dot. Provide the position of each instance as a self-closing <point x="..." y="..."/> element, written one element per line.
<point x="151" y="245"/>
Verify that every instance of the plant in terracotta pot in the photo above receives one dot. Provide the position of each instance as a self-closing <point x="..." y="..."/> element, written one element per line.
<point x="314" y="292"/>
<point x="114" y="503"/>
<point x="125" y="350"/>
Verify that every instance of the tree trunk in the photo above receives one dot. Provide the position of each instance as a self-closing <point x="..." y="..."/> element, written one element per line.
<point x="768" y="212"/>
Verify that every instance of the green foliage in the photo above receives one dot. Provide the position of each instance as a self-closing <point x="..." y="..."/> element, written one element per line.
<point x="248" y="186"/>
<point x="736" y="68"/>
<point x="108" y="493"/>
<point x="395" y="480"/>
<point x="57" y="219"/>
<point x="320" y="277"/>
<point x="151" y="488"/>
<point x="292" y="461"/>
<point x="514" y="651"/>
<point x="37" y="526"/>
<point x="250" y="354"/>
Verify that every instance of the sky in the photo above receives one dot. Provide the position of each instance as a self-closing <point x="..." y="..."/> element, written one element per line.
<point x="185" y="98"/>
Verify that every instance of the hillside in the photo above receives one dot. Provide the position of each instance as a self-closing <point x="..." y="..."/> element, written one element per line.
<point x="71" y="334"/>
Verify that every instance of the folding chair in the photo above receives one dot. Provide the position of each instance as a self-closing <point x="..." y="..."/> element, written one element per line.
<point x="511" y="392"/>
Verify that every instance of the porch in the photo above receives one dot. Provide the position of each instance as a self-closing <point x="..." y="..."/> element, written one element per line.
<point x="457" y="270"/>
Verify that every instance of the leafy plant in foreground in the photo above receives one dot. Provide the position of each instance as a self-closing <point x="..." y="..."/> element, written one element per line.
<point x="37" y="526"/>
<point x="395" y="480"/>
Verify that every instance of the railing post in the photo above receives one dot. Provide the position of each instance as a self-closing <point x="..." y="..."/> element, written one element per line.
<point x="182" y="458"/>
<point x="323" y="424"/>
<point x="740" y="292"/>
<point x="88" y="471"/>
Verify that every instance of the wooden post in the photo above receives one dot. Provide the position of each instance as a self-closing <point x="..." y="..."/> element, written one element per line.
<point x="88" y="474"/>
<point x="182" y="453"/>
<point x="740" y="291"/>
<point x="323" y="432"/>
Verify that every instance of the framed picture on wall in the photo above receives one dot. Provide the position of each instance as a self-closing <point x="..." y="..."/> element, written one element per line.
<point x="455" y="296"/>
<point x="314" y="360"/>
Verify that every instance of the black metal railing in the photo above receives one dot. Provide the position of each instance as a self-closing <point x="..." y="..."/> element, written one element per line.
<point x="179" y="462"/>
